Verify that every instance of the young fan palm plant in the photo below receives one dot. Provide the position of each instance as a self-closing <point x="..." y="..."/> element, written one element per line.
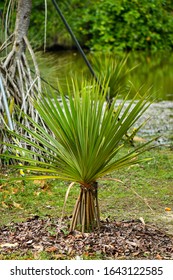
<point x="116" y="71"/>
<point x="83" y="145"/>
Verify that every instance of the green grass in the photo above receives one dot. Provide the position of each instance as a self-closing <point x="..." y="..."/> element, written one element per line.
<point x="152" y="181"/>
<point x="46" y="256"/>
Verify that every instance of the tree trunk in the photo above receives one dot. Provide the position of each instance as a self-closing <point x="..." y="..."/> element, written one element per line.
<point x="86" y="214"/>
<point x="20" y="83"/>
<point x="22" y="25"/>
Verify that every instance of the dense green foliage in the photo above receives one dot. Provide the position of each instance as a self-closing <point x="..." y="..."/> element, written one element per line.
<point x="109" y="25"/>
<point x="105" y="25"/>
<point x="128" y="25"/>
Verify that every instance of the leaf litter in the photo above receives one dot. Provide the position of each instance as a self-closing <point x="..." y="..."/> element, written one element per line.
<point x="115" y="240"/>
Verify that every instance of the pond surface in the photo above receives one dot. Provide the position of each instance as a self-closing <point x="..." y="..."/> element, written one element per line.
<point x="154" y="71"/>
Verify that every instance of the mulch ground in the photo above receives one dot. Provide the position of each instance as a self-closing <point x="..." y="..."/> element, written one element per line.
<point x="114" y="240"/>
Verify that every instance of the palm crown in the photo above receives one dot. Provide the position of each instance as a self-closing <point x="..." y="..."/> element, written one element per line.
<point x="83" y="144"/>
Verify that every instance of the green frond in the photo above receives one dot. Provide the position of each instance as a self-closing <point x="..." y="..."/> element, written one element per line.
<point x="115" y="71"/>
<point x="85" y="135"/>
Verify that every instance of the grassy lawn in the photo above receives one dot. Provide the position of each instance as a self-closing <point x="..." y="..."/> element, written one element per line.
<point x="146" y="190"/>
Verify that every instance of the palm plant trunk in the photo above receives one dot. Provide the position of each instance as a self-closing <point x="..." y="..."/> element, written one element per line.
<point x="18" y="80"/>
<point x="16" y="73"/>
<point x="86" y="214"/>
<point x="22" y="25"/>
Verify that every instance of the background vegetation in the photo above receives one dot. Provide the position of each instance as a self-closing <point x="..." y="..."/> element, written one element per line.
<point x="105" y="25"/>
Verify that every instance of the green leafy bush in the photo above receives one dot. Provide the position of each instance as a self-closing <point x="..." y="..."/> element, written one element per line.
<point x="128" y="25"/>
<point x="105" y="25"/>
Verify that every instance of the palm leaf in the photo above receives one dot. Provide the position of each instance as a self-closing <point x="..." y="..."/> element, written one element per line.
<point x="85" y="137"/>
<point x="114" y="70"/>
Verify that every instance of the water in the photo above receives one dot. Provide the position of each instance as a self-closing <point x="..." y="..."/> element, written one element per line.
<point x="154" y="71"/>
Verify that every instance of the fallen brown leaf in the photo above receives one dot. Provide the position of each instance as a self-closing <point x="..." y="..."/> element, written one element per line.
<point x="115" y="240"/>
<point x="51" y="249"/>
<point x="9" y="245"/>
<point x="17" y="205"/>
<point x="167" y="209"/>
<point x="4" y="205"/>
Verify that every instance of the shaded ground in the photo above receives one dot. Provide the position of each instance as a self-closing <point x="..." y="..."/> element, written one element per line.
<point x="115" y="240"/>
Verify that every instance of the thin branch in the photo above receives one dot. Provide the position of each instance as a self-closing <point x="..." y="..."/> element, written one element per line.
<point x="83" y="210"/>
<point x="65" y="199"/>
<point x="110" y="179"/>
<point x="8" y="59"/>
<point x="6" y="44"/>
<point x="75" y="214"/>
<point x="45" y="25"/>
<point x="144" y="199"/>
<point x="7" y="17"/>
<point x="34" y="61"/>
<point x="25" y="62"/>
